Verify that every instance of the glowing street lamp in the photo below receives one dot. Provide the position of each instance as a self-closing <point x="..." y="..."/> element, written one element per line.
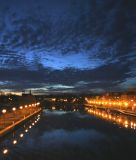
<point x="21" y="107"/>
<point x="26" y="106"/>
<point x="13" y="109"/>
<point x="4" y="111"/>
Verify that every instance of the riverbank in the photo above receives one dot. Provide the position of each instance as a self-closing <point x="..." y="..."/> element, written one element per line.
<point x="125" y="112"/>
<point x="16" y="122"/>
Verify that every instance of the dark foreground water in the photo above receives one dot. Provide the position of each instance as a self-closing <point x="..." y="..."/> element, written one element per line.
<point x="60" y="135"/>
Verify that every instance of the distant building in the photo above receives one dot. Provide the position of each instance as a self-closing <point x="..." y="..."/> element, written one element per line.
<point x="132" y="90"/>
<point x="129" y="95"/>
<point x="27" y="98"/>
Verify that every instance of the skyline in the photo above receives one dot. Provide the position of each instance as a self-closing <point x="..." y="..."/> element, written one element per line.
<point x="70" y="46"/>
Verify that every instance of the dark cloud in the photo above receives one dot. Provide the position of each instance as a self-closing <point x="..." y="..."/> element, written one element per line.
<point x="70" y="45"/>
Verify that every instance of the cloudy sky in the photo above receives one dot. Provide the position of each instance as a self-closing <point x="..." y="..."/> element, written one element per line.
<point x="53" y="46"/>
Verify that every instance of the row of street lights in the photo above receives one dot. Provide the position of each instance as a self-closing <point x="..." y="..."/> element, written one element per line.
<point x="4" y="111"/>
<point x="5" y="151"/>
<point x="113" y="103"/>
<point x="21" y="107"/>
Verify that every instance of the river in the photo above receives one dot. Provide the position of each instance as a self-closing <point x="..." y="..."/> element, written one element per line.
<point x="66" y="135"/>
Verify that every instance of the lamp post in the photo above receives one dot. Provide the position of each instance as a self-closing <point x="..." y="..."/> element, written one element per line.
<point x="21" y="107"/>
<point x="14" y="110"/>
<point x="26" y="110"/>
<point x="4" y="111"/>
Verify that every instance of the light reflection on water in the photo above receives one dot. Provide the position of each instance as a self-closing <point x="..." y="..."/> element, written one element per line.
<point x="120" y="119"/>
<point x="69" y="135"/>
<point x="57" y="112"/>
<point x="58" y="138"/>
<point x="15" y="137"/>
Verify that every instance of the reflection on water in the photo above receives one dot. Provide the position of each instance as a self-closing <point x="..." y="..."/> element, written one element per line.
<point x="57" y="112"/>
<point x="70" y="135"/>
<point x="14" y="138"/>
<point x="120" y="119"/>
<point x="58" y="138"/>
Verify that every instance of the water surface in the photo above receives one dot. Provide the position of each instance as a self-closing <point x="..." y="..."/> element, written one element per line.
<point x="61" y="135"/>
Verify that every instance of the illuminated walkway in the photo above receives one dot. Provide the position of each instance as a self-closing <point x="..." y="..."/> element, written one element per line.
<point x="9" y="120"/>
<point x="124" y="106"/>
<point x="16" y="136"/>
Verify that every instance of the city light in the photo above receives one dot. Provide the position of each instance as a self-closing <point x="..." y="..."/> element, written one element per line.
<point x="13" y="109"/>
<point x="5" y="151"/>
<point x="121" y="120"/>
<point x="113" y="103"/>
<point x="12" y="118"/>
<point x="4" y="111"/>
<point x="21" y="107"/>
<point x="53" y="108"/>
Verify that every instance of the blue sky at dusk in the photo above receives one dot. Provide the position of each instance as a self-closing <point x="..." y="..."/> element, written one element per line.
<point x="64" y="46"/>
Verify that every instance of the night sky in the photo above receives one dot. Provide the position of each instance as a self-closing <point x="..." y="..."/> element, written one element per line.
<point x="67" y="46"/>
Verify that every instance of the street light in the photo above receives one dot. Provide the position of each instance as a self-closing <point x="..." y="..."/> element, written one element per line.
<point x="4" y="111"/>
<point x="21" y="107"/>
<point x="26" y="106"/>
<point x="13" y="109"/>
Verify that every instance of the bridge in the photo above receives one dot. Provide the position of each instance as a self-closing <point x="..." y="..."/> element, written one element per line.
<point x="10" y="119"/>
